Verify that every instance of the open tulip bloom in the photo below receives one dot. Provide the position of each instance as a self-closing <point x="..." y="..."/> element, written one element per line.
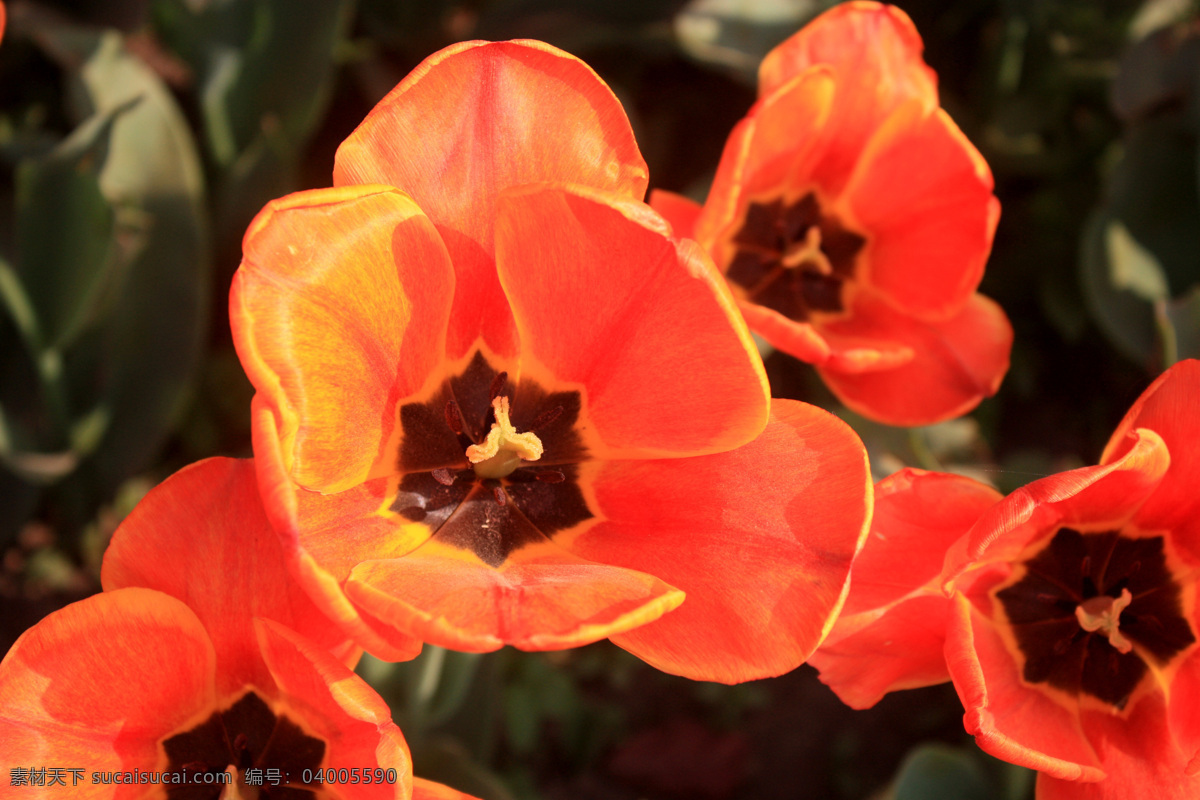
<point x="499" y="403"/>
<point x="1071" y="627"/>
<point x="852" y="219"/>
<point x="202" y="671"/>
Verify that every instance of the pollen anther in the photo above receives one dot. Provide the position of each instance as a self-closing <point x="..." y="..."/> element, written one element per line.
<point x="1103" y="613"/>
<point x="808" y="253"/>
<point x="504" y="449"/>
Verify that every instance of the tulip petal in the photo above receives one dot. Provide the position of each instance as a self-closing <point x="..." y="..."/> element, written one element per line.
<point x="924" y="194"/>
<point x="1185" y="707"/>
<point x="952" y="365"/>
<point x="340" y="521"/>
<point x="339" y="708"/>
<point x="769" y="154"/>
<point x="761" y="538"/>
<point x="474" y="119"/>
<point x="874" y="54"/>
<point x="540" y="598"/>
<point x="874" y="45"/>
<point x="681" y="212"/>
<point x="202" y="537"/>
<point x="1137" y="754"/>
<point x="892" y="629"/>
<point x="49" y="715"/>
<point x="1098" y="498"/>
<point x="1168" y="407"/>
<point x="902" y="649"/>
<point x="800" y="340"/>
<point x="339" y="310"/>
<point x="918" y="515"/>
<point x="1009" y="719"/>
<point x="642" y="323"/>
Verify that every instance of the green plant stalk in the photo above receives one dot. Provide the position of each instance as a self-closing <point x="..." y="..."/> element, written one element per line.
<point x="1166" y="334"/>
<point x="925" y="457"/>
<point x="47" y="361"/>
<point x="425" y="687"/>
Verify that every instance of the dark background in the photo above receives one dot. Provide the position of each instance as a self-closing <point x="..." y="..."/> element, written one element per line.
<point x="1085" y="109"/>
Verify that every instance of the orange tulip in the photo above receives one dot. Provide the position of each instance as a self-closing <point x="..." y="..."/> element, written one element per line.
<point x="892" y="629"/>
<point x="201" y="659"/>
<point x="852" y="219"/>
<point x="506" y="406"/>
<point x="1073" y="638"/>
<point x="1066" y="614"/>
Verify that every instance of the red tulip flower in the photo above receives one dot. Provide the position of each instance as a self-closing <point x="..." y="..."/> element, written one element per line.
<point x="892" y="629"/>
<point x="203" y="658"/>
<point x="1073" y="638"/>
<point x="1068" y="611"/>
<point x="852" y="219"/>
<point x="502" y="404"/>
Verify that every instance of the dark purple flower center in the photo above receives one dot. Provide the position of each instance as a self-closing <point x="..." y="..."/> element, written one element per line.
<point x="793" y="258"/>
<point x="246" y="735"/>
<point x="491" y="517"/>
<point x="1079" y="581"/>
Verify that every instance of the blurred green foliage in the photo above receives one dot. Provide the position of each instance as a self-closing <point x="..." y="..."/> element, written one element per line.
<point x="139" y="137"/>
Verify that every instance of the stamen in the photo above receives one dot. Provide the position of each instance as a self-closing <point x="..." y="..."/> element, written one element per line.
<point x="454" y="417"/>
<point x="498" y="493"/>
<point x="546" y="417"/>
<point x="497" y="386"/>
<point x="239" y="742"/>
<point x="504" y="449"/>
<point x="442" y="476"/>
<point x="551" y="476"/>
<point x="1103" y="614"/>
<point x="808" y="253"/>
<point x="1085" y="566"/>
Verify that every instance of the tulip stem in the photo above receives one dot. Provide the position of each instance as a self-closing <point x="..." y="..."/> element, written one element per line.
<point x="433" y="659"/>
<point x="925" y="457"/>
<point x="1166" y="334"/>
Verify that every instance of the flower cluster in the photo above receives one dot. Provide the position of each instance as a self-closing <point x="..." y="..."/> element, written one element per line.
<point x="852" y="220"/>
<point x="501" y="400"/>
<point x="1067" y="612"/>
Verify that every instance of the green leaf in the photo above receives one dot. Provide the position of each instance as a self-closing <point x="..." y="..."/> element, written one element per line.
<point x="938" y="772"/>
<point x="20" y="500"/>
<point x="1153" y="193"/>
<point x="1157" y="70"/>
<point x="445" y="760"/>
<point x="739" y="33"/>
<point x="1132" y="267"/>
<point x="74" y="244"/>
<point x="1125" y="319"/>
<point x="458" y="673"/>
<point x="1157" y="14"/>
<point x="264" y="65"/>
<point x="1183" y="315"/>
<point x="522" y="717"/>
<point x="145" y="353"/>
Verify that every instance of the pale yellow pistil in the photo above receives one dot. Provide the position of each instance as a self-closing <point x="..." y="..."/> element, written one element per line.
<point x="808" y="253"/>
<point x="504" y="449"/>
<point x="1103" y="614"/>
